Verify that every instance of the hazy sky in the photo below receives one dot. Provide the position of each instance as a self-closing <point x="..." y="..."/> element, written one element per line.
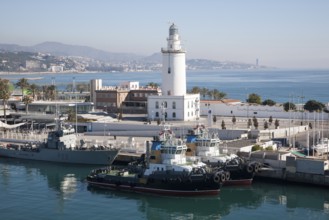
<point x="280" y="33"/>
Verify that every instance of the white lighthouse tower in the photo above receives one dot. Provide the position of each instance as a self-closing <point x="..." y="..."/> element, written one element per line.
<point x="174" y="67"/>
<point x="174" y="103"/>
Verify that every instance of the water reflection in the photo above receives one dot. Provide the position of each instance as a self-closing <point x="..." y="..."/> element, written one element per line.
<point x="162" y="207"/>
<point x="63" y="178"/>
<point x="257" y="197"/>
<point x="67" y="181"/>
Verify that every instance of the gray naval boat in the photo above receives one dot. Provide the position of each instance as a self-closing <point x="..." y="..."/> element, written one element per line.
<point x="60" y="146"/>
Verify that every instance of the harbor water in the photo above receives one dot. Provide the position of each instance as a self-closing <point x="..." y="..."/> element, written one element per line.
<point x="40" y="190"/>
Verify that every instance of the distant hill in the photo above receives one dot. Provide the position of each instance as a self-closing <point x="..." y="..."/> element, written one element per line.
<point x="59" y="49"/>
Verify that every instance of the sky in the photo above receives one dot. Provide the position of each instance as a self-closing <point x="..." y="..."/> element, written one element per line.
<point x="279" y="33"/>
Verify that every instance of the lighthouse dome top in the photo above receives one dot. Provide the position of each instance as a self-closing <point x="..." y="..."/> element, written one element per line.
<point x="173" y="29"/>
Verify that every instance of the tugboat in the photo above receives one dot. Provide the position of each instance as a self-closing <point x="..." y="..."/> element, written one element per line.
<point x="165" y="171"/>
<point x="207" y="146"/>
<point x="60" y="146"/>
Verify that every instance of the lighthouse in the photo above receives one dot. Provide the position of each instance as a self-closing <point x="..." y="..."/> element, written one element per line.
<point x="173" y="65"/>
<point x="174" y="103"/>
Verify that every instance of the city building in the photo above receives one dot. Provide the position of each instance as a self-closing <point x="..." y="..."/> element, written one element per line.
<point x="174" y="103"/>
<point x="127" y="98"/>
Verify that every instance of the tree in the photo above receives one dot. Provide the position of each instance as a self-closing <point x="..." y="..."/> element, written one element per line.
<point x="249" y="123"/>
<point x="289" y="106"/>
<point x="254" y="98"/>
<point x="313" y="105"/>
<point x="50" y="92"/>
<point x="255" y="121"/>
<point x="219" y="95"/>
<point x="203" y="92"/>
<point x="195" y="90"/>
<point x="233" y="119"/>
<point x="34" y="90"/>
<point x="268" y="102"/>
<point x="214" y="119"/>
<point x="276" y="123"/>
<point x="223" y="125"/>
<point x="5" y="93"/>
<point x="27" y="100"/>
<point x="153" y="85"/>
<point x="23" y="84"/>
<point x="265" y="125"/>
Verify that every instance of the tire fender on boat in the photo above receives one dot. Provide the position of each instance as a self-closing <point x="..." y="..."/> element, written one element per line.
<point x="216" y="178"/>
<point x="227" y="175"/>
<point x="256" y="167"/>
<point x="222" y="177"/>
<point x="250" y="168"/>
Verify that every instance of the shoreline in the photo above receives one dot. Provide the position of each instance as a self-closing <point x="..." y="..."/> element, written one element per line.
<point x="34" y="73"/>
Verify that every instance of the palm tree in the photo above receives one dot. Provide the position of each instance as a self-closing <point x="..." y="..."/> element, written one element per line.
<point x="23" y="84"/>
<point x="50" y="92"/>
<point x="203" y="92"/>
<point x="5" y="93"/>
<point x="220" y="95"/>
<point x="35" y="90"/>
<point x="27" y="100"/>
<point x="195" y="90"/>
<point x="153" y="85"/>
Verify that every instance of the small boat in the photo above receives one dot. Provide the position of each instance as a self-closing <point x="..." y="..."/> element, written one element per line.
<point x="202" y="143"/>
<point x="164" y="170"/>
<point x="60" y="146"/>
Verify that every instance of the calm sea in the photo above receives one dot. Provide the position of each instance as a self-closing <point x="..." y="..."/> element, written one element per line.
<point x="279" y="85"/>
<point x="38" y="190"/>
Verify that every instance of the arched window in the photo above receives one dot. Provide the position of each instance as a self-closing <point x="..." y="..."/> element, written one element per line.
<point x="174" y="105"/>
<point x="156" y="104"/>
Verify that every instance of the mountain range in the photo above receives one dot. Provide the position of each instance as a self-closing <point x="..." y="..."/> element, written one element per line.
<point x="60" y="49"/>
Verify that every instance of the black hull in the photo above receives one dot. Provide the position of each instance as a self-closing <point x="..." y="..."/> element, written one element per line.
<point x="171" y="191"/>
<point x="162" y="184"/>
<point x="241" y="174"/>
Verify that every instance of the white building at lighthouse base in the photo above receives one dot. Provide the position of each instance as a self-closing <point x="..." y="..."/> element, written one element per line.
<point x="182" y="108"/>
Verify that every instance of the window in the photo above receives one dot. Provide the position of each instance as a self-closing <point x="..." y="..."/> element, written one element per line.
<point x="157" y="114"/>
<point x="174" y="114"/>
<point x="174" y="105"/>
<point x="165" y="104"/>
<point x="156" y="104"/>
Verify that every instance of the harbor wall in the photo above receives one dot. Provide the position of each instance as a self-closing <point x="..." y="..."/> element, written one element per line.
<point x="260" y="111"/>
<point x="301" y="170"/>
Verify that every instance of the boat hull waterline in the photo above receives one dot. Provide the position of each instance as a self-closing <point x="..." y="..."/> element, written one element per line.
<point x="140" y="189"/>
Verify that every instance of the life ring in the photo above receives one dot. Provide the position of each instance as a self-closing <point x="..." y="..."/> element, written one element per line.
<point x="250" y="169"/>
